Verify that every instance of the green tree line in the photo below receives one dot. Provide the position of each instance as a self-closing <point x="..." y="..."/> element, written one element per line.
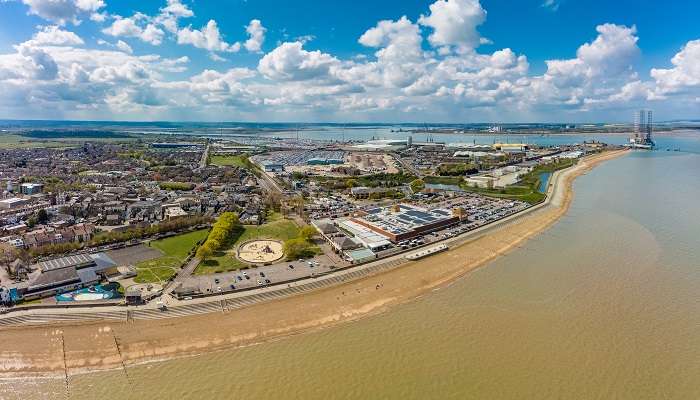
<point x="222" y="231"/>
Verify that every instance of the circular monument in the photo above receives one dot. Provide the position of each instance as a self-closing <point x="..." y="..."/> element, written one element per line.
<point x="261" y="251"/>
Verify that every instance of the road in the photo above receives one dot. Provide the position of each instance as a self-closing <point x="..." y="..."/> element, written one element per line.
<point x="205" y="157"/>
<point x="407" y="166"/>
<point x="269" y="183"/>
<point x="182" y="275"/>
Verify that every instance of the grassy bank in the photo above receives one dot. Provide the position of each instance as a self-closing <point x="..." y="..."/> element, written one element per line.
<point x="527" y="189"/>
<point x="175" y="250"/>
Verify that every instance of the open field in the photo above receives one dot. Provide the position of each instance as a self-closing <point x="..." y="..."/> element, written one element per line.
<point x="277" y="228"/>
<point x="13" y="141"/>
<point x="175" y="250"/>
<point x="240" y="161"/>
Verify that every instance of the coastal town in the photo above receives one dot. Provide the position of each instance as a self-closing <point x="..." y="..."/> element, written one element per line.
<point x="155" y="223"/>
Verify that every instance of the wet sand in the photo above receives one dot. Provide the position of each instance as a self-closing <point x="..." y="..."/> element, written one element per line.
<point x="63" y="351"/>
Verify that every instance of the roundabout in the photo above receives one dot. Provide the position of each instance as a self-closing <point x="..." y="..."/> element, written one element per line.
<point x="261" y="251"/>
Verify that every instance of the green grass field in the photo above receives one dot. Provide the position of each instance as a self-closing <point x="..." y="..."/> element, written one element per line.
<point x="240" y="161"/>
<point x="10" y="141"/>
<point x="276" y="228"/>
<point x="175" y="250"/>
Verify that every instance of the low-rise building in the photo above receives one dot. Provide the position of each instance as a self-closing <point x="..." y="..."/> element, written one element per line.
<point x="12" y="203"/>
<point x="68" y="273"/>
<point x="401" y="221"/>
<point x="273" y="167"/>
<point x="31" y="188"/>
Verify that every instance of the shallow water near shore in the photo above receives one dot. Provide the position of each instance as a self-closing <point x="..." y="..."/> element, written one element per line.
<point x="602" y="305"/>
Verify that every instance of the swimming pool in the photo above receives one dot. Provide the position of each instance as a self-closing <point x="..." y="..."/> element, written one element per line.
<point x="97" y="292"/>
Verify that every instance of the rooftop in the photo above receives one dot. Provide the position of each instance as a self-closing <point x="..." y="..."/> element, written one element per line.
<point x="404" y="218"/>
<point x="79" y="260"/>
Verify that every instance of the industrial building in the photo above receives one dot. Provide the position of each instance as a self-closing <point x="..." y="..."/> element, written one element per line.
<point x="12" y="203"/>
<point x="401" y="221"/>
<point x="175" y="145"/>
<point x="324" y="161"/>
<point x="273" y="167"/>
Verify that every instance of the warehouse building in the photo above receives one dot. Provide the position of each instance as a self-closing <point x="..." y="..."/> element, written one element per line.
<point x="401" y="221"/>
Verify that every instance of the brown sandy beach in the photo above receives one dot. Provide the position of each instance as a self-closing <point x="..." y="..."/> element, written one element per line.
<point x="71" y="349"/>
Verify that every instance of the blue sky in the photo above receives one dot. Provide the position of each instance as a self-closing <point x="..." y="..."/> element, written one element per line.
<point x="392" y="60"/>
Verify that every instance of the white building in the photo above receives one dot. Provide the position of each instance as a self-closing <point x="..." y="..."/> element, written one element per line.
<point x="12" y="203"/>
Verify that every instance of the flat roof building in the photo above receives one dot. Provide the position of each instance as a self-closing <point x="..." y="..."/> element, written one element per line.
<point x="174" y="145"/>
<point x="273" y="167"/>
<point x="12" y="203"/>
<point x="401" y="221"/>
<point x="31" y="188"/>
<point x="69" y="273"/>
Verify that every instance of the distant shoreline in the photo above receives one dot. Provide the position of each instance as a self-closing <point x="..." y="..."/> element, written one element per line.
<point x="67" y="350"/>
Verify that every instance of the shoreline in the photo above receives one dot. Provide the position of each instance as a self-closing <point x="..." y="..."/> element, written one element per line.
<point x="67" y="350"/>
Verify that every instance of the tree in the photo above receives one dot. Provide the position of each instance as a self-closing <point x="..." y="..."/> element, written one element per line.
<point x="307" y="232"/>
<point x="204" y="252"/>
<point x="42" y="216"/>
<point x="297" y="248"/>
<point x="417" y="185"/>
<point x="221" y="232"/>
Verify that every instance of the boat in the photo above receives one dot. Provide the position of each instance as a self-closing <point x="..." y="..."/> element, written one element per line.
<point x="427" y="252"/>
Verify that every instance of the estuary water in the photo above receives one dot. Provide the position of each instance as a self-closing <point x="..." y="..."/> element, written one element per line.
<point x="604" y="305"/>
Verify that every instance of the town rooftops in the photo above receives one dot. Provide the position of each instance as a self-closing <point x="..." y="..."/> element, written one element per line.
<point x="325" y="226"/>
<point x="12" y="202"/>
<point x="345" y="243"/>
<point x="100" y="260"/>
<point x="53" y="278"/>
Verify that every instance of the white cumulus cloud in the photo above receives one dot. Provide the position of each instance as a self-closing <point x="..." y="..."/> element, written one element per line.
<point x="63" y="11"/>
<point x="136" y="26"/>
<point x="454" y="23"/>
<point x="685" y="74"/>
<point x="256" y="31"/>
<point x="208" y="38"/>
<point x="290" y="62"/>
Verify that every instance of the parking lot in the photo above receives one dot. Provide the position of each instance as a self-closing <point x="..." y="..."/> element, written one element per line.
<point x="480" y="211"/>
<point x="260" y="276"/>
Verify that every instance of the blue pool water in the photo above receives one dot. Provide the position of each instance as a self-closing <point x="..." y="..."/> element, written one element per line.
<point x="97" y="292"/>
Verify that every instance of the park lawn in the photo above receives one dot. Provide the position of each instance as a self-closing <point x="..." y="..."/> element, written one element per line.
<point x="528" y="194"/>
<point x="175" y="250"/>
<point x="240" y="161"/>
<point x="225" y="260"/>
